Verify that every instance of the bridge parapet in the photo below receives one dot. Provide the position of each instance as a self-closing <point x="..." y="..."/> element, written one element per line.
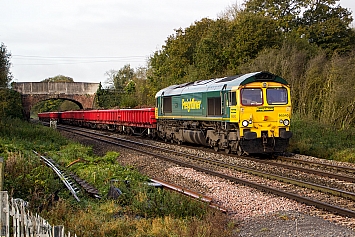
<point x="68" y="88"/>
<point x="81" y="93"/>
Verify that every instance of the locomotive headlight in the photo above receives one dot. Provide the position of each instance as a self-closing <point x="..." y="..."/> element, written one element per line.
<point x="281" y="121"/>
<point x="286" y="122"/>
<point x="245" y="123"/>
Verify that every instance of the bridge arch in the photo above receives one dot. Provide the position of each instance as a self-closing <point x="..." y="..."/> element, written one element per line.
<point x="81" y="93"/>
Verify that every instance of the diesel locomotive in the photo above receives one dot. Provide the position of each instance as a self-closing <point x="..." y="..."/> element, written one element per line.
<point x="247" y="113"/>
<point x="243" y="114"/>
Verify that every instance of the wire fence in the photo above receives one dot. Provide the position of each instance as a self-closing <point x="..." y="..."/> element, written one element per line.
<point x="17" y="221"/>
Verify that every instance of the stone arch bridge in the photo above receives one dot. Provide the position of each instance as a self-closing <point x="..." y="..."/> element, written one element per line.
<point x="81" y="93"/>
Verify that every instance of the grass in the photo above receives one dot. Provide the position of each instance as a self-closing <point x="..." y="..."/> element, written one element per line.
<point x="140" y="211"/>
<point x="324" y="141"/>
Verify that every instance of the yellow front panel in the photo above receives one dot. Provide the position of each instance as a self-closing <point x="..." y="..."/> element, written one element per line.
<point x="263" y="117"/>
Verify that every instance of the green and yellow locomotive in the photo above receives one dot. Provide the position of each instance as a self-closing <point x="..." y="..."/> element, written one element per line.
<point x="247" y="113"/>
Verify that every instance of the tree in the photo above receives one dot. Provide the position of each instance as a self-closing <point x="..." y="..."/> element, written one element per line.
<point x="328" y="25"/>
<point x="59" y="78"/>
<point x="321" y="22"/>
<point x="10" y="104"/>
<point x="212" y="53"/>
<point x="5" y="74"/>
<point x="123" y="77"/>
<point x="284" y="12"/>
<point x="252" y="33"/>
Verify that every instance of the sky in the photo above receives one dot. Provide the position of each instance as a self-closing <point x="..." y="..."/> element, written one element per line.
<point x="85" y="39"/>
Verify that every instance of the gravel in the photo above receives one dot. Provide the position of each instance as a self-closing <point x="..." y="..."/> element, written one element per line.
<point x="258" y="213"/>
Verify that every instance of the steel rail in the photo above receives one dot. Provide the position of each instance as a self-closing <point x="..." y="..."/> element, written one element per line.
<point x="317" y="187"/>
<point x="305" y="170"/>
<point x="341" y="168"/>
<point x="301" y="169"/>
<point x="60" y="175"/>
<point x="189" y="193"/>
<point x="321" y="188"/>
<point x="305" y="200"/>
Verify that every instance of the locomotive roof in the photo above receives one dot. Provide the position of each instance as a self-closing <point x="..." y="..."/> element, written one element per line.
<point x="218" y="84"/>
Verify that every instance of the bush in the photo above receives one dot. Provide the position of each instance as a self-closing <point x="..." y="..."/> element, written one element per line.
<point x="140" y="211"/>
<point x="10" y="104"/>
<point x="320" y="140"/>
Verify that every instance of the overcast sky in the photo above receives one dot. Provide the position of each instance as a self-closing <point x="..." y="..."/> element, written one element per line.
<point x="84" y="39"/>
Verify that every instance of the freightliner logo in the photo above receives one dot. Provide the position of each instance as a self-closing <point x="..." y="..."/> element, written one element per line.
<point x="191" y="104"/>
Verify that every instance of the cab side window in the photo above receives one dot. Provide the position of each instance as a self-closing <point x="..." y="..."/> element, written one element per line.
<point x="167" y="105"/>
<point x="232" y="98"/>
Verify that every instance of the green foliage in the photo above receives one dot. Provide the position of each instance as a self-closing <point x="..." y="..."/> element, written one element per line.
<point x="324" y="22"/>
<point x="25" y="176"/>
<point x="322" y="87"/>
<point x="10" y="104"/>
<point x="172" y="64"/>
<point x="140" y="211"/>
<point x="53" y="105"/>
<point x="320" y="140"/>
<point x="128" y="89"/>
<point x="123" y="77"/>
<point x="327" y="25"/>
<point x="213" y="48"/>
<point x="59" y="78"/>
<point x="19" y="136"/>
<point x="48" y="105"/>
<point x="107" y="98"/>
<point x="252" y="34"/>
<point x="68" y="105"/>
<point x="5" y="64"/>
<point x="152" y="202"/>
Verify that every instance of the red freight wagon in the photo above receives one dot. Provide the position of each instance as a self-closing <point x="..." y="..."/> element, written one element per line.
<point x="109" y="116"/>
<point x="47" y="116"/>
<point x="67" y="117"/>
<point x="78" y="115"/>
<point x="91" y="116"/>
<point x="138" y="117"/>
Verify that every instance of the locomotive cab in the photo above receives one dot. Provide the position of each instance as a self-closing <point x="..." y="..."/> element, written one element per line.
<point x="263" y="113"/>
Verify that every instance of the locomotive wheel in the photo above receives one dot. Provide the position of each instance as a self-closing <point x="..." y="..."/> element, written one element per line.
<point x="239" y="151"/>
<point x="227" y="150"/>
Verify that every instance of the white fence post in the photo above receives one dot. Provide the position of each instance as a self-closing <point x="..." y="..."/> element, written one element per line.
<point x="58" y="231"/>
<point x="4" y="214"/>
<point x="24" y="224"/>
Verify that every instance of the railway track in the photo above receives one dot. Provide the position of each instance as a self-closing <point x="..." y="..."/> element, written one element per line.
<point x="209" y="166"/>
<point x="333" y="175"/>
<point x="74" y="190"/>
<point x="71" y="180"/>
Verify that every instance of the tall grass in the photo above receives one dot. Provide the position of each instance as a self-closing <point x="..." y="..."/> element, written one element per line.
<point x="320" y="140"/>
<point x="140" y="211"/>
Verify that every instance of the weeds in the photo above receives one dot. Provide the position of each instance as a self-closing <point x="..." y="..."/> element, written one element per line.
<point x="140" y="211"/>
<point x="315" y="139"/>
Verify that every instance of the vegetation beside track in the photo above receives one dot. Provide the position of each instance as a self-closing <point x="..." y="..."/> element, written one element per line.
<point x="322" y="140"/>
<point x="140" y="211"/>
